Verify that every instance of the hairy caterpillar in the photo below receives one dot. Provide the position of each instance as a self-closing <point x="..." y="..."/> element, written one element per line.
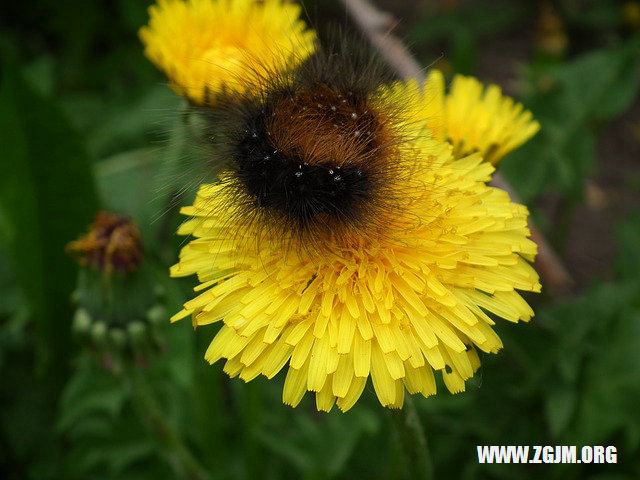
<point x="321" y="154"/>
<point x="400" y="247"/>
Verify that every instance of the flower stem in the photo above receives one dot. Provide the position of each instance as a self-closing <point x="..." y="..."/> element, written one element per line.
<point x="413" y="441"/>
<point x="183" y="459"/>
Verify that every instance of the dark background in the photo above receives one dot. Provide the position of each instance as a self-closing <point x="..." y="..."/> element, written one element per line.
<point x="87" y="122"/>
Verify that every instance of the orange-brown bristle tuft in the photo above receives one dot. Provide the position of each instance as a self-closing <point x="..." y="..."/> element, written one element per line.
<point x="326" y="127"/>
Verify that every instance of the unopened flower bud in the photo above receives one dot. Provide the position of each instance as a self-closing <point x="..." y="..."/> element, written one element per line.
<point x="157" y="315"/>
<point x="112" y="244"/>
<point x="99" y="332"/>
<point x="81" y="322"/>
<point x="137" y="332"/>
<point x="118" y="338"/>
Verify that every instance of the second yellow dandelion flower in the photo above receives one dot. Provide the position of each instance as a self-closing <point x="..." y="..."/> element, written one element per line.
<point x="206" y="47"/>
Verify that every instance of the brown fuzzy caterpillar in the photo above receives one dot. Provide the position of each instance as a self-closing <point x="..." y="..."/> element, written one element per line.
<point x="318" y="155"/>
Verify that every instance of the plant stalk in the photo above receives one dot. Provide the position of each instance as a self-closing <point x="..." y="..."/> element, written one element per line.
<point x="164" y="431"/>
<point x="413" y="441"/>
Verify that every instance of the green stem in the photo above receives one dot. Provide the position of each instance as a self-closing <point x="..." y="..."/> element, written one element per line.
<point x="413" y="441"/>
<point x="164" y="431"/>
<point x="107" y="296"/>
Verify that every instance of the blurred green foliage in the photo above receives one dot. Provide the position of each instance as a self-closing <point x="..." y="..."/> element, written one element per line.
<point x="463" y="28"/>
<point x="87" y="122"/>
<point x="572" y="100"/>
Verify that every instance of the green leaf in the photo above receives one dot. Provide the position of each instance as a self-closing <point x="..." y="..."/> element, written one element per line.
<point x="597" y="86"/>
<point x="560" y="406"/>
<point x="322" y="446"/>
<point x="612" y="383"/>
<point x="47" y="198"/>
<point x="91" y="393"/>
<point x="528" y="168"/>
<point x="600" y="84"/>
<point x="126" y="182"/>
<point x="121" y="127"/>
<point x="150" y="184"/>
<point x="627" y="263"/>
<point x="118" y="457"/>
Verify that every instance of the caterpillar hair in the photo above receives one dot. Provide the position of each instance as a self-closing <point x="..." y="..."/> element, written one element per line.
<point x="317" y="157"/>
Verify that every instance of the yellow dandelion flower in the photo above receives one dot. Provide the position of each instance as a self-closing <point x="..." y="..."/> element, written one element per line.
<point x="411" y="296"/>
<point x="474" y="118"/>
<point x="206" y="47"/>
